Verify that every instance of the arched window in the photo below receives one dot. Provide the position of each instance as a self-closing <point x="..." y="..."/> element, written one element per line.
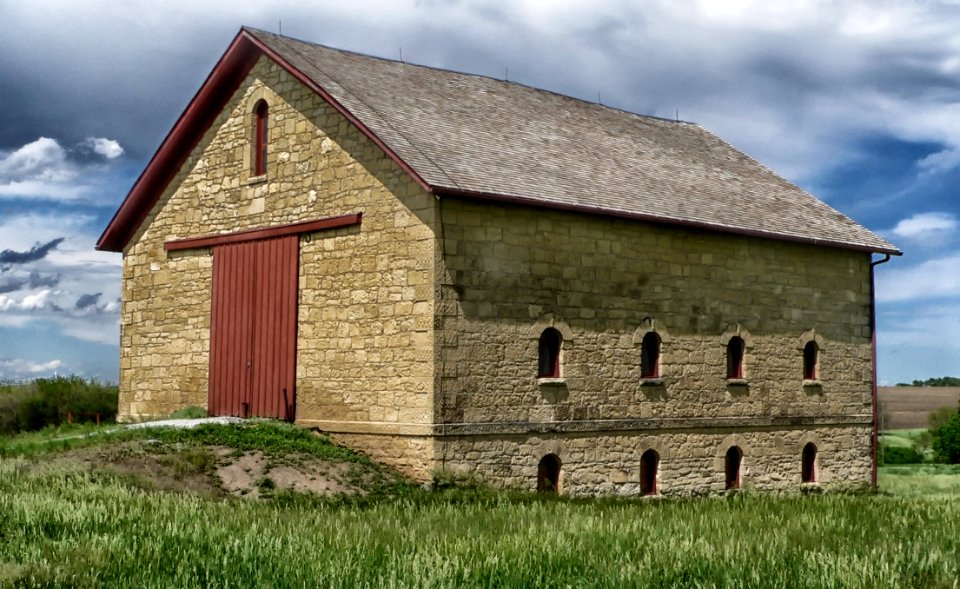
<point x="650" y="356"/>
<point x="649" y="465"/>
<point x="260" y="136"/>
<point x="548" y="474"/>
<point x="549" y="363"/>
<point x="808" y="470"/>
<point x="732" y="467"/>
<point x="735" y="358"/>
<point x="811" y="353"/>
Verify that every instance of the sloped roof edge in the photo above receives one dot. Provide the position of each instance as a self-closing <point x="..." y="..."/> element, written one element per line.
<point x="660" y="220"/>
<point x="195" y="120"/>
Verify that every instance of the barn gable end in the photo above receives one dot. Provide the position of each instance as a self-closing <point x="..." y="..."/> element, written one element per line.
<point x="364" y="316"/>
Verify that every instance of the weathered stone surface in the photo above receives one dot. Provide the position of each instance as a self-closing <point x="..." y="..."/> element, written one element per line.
<point x="418" y="330"/>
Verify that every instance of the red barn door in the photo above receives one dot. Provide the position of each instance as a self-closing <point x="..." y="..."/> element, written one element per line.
<point x="253" y="328"/>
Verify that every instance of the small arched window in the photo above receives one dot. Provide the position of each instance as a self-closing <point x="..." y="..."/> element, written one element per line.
<point x="650" y="356"/>
<point x="548" y="474"/>
<point x="735" y="358"/>
<point x="649" y="466"/>
<point x="808" y="469"/>
<point x="549" y="353"/>
<point x="732" y="463"/>
<point x="811" y="357"/>
<point x="260" y="136"/>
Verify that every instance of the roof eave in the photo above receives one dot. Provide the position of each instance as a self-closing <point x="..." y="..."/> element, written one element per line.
<point x="219" y="86"/>
<point x="200" y="113"/>
<point x="877" y="249"/>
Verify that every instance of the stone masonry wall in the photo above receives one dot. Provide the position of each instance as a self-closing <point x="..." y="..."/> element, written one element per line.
<point x="691" y="463"/>
<point x="508" y="272"/>
<point x="366" y="296"/>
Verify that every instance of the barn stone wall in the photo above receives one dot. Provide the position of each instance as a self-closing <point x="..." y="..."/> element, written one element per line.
<point x="366" y="296"/>
<point x="691" y="463"/>
<point x="509" y="272"/>
<point x="417" y="343"/>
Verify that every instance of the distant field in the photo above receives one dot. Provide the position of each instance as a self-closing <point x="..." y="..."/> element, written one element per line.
<point x="66" y="523"/>
<point x="909" y="407"/>
<point x="921" y="480"/>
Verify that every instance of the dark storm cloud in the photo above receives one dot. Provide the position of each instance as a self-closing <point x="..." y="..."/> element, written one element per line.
<point x="38" y="280"/>
<point x="11" y="283"/>
<point x="37" y="252"/>
<point x="87" y="300"/>
<point x="14" y="281"/>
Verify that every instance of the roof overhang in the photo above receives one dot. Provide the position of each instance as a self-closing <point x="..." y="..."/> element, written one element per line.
<point x="661" y="220"/>
<point x="220" y="85"/>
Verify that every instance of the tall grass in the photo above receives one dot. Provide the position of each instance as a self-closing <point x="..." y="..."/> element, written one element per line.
<point x="72" y="527"/>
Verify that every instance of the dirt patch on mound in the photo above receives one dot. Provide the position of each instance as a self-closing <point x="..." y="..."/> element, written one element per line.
<point x="252" y="474"/>
<point x="218" y="472"/>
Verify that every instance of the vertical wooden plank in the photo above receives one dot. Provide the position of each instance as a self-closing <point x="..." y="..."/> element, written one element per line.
<point x="213" y="382"/>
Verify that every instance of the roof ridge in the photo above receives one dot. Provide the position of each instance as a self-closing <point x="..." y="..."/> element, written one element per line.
<point x="475" y="75"/>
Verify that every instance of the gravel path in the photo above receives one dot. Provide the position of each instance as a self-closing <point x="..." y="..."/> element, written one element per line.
<point x="186" y="423"/>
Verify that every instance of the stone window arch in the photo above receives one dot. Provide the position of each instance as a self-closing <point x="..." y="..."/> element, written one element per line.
<point x="548" y="474"/>
<point x="651" y="339"/>
<point x="649" y="472"/>
<point x="811" y="346"/>
<point x="811" y="359"/>
<point x="732" y="468"/>
<point x="730" y="459"/>
<point x="808" y="463"/>
<point x="553" y="337"/>
<point x="261" y="133"/>
<point x="736" y="342"/>
<point x="735" y="353"/>
<point x="258" y="112"/>
<point x="548" y="354"/>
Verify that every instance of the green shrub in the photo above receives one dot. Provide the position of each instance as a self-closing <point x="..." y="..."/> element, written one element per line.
<point x="52" y="401"/>
<point x="900" y="455"/>
<point x="938" y="418"/>
<point x="946" y="441"/>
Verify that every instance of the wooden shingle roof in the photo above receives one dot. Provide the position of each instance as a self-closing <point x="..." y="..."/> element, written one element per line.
<point x="480" y="137"/>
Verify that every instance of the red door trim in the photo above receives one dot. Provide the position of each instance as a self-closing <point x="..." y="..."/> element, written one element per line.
<point x="263" y="233"/>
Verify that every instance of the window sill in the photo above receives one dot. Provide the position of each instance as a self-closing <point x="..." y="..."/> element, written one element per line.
<point x="737" y="382"/>
<point x="651" y="381"/>
<point x="812" y="383"/>
<point x="551" y="381"/>
<point x="256" y="180"/>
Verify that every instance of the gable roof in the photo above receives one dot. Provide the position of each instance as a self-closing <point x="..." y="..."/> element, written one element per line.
<point x="473" y="136"/>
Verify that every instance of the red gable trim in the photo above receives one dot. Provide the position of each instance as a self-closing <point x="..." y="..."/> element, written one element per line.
<point x="180" y="141"/>
<point x="264" y="233"/>
<point x="213" y="95"/>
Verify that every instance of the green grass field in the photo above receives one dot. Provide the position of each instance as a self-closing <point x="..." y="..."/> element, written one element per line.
<point x="63" y="523"/>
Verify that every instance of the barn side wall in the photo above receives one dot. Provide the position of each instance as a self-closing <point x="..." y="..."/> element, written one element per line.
<point x="509" y="272"/>
<point x="366" y="294"/>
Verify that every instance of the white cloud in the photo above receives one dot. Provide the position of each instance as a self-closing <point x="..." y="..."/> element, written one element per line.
<point x="40" y="160"/>
<point x="46" y="170"/>
<point x="108" y="148"/>
<point x="923" y="224"/>
<point x="17" y="368"/>
<point x="937" y="278"/>
<point x="31" y="302"/>
<point x="941" y="161"/>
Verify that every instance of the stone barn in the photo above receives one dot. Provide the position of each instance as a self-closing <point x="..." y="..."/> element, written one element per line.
<point x="448" y="271"/>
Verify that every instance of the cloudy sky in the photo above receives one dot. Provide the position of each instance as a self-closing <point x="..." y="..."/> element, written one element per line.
<point x="856" y="101"/>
